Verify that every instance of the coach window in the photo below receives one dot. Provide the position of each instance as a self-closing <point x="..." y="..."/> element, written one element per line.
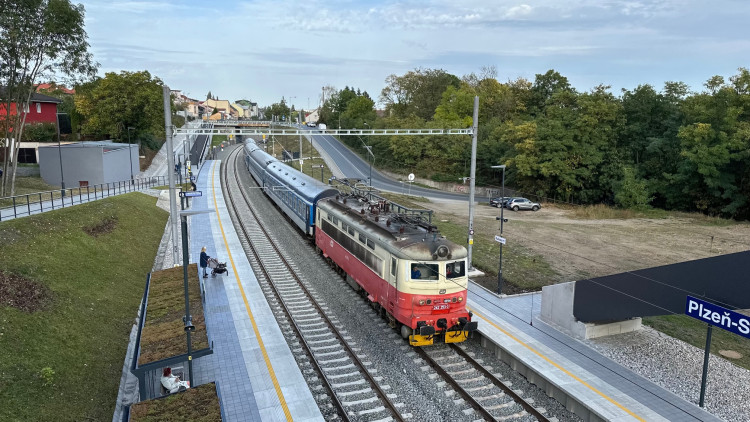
<point x="329" y="217"/>
<point x="371" y="244"/>
<point x="393" y="267"/>
<point x="351" y="231"/>
<point x="344" y="227"/>
<point x="362" y="238"/>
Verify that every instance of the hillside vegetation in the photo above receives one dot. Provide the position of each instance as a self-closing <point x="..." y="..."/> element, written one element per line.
<point x="70" y="285"/>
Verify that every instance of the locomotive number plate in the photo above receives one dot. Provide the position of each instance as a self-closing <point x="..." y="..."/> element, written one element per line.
<point x="441" y="307"/>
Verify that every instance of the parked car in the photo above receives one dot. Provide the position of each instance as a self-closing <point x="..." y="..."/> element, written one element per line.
<point x="499" y="201"/>
<point x="522" y="204"/>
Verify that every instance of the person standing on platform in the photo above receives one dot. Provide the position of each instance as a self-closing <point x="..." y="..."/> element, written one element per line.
<point x="204" y="261"/>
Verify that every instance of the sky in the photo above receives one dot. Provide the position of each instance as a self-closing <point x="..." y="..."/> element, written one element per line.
<point x="265" y="50"/>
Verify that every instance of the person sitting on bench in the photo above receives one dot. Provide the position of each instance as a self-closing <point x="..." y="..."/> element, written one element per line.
<point x="172" y="382"/>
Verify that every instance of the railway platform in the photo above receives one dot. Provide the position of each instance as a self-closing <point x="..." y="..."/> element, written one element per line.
<point x="257" y="376"/>
<point x="591" y="385"/>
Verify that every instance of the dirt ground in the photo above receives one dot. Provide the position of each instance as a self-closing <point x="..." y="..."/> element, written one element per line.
<point x="577" y="248"/>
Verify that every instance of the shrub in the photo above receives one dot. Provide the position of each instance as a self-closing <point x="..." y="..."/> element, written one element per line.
<point x="47" y="375"/>
<point x="40" y="132"/>
<point x="632" y="191"/>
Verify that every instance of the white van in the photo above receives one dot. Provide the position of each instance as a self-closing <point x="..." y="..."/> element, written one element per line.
<point x="322" y="126"/>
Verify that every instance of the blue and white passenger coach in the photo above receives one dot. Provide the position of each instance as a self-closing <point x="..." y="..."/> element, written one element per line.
<point x="294" y="192"/>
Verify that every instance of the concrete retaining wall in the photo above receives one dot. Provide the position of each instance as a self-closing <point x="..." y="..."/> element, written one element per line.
<point x="571" y="403"/>
<point x="557" y="310"/>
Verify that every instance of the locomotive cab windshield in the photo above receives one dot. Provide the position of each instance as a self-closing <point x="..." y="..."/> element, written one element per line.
<point x="455" y="269"/>
<point x="424" y="272"/>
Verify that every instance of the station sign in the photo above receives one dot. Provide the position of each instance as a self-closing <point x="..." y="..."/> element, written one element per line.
<point x="499" y="239"/>
<point x="190" y="194"/>
<point x="718" y="316"/>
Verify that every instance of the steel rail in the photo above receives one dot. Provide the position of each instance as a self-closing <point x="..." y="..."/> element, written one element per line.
<point x="371" y="380"/>
<point x="485" y="413"/>
<point x="500" y="384"/>
<point x="298" y="332"/>
<point x="453" y="383"/>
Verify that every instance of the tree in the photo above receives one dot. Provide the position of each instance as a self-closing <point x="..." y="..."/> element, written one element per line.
<point x="112" y="104"/>
<point x="632" y="192"/>
<point x="359" y="110"/>
<point x="331" y="112"/>
<point x="38" y="38"/>
<point x="571" y="152"/>
<point x="545" y="86"/>
<point x="279" y="109"/>
<point x="417" y="93"/>
<point x="209" y="96"/>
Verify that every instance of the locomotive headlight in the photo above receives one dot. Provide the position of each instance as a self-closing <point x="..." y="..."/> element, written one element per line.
<point x="460" y="298"/>
<point x="421" y="301"/>
<point x="453" y="300"/>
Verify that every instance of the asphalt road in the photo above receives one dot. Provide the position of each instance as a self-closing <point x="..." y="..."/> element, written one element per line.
<point x="352" y="166"/>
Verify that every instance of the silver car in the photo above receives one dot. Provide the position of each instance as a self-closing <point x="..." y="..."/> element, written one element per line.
<point x="516" y="204"/>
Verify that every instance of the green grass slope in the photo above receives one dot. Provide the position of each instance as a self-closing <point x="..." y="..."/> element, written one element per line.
<point x="70" y="285"/>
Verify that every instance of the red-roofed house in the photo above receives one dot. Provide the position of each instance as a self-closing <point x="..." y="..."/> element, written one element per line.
<point x="54" y="87"/>
<point x="42" y="109"/>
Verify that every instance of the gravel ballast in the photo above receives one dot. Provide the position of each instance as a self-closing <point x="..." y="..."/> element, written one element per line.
<point x="677" y="366"/>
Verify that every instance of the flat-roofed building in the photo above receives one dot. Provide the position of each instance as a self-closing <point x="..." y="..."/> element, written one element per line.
<point x="90" y="162"/>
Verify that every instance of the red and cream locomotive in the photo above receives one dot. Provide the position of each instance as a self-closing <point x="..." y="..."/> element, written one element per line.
<point x="414" y="276"/>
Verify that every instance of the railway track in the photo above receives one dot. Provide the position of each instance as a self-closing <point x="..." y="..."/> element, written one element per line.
<point x="486" y="394"/>
<point x="354" y="393"/>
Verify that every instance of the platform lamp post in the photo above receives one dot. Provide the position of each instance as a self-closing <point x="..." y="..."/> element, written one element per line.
<point x="502" y="220"/>
<point x="188" y="319"/>
<point x="130" y="153"/>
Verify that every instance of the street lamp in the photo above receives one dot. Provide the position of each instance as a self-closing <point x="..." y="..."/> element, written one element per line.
<point x="188" y="319"/>
<point x="369" y="149"/>
<point x="130" y="153"/>
<point x="58" y="116"/>
<point x="502" y="220"/>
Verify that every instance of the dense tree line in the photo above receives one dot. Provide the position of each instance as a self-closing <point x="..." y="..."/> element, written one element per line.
<point x="669" y="148"/>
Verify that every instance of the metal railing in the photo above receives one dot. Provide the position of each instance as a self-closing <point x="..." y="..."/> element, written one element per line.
<point x="216" y="130"/>
<point x="38" y="202"/>
<point x="236" y="122"/>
